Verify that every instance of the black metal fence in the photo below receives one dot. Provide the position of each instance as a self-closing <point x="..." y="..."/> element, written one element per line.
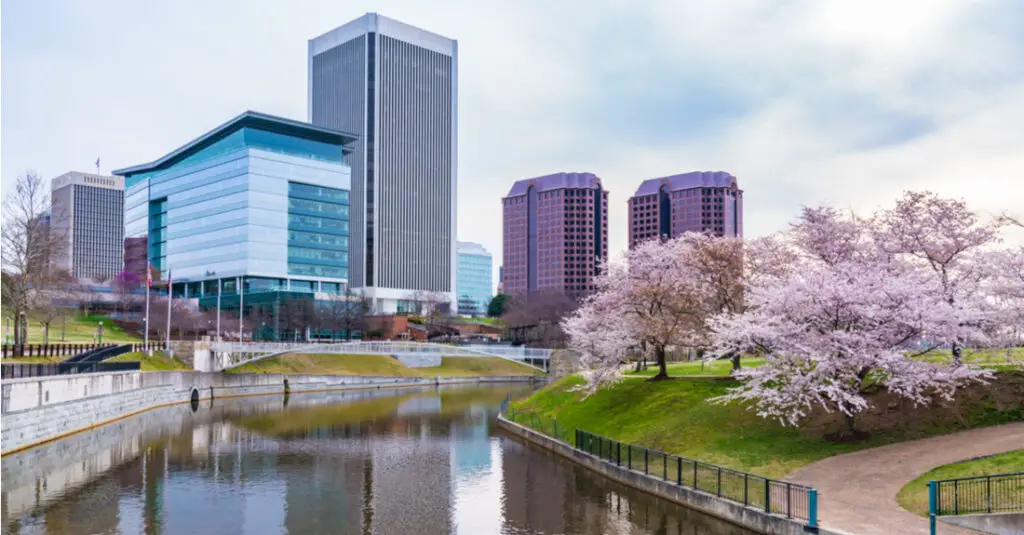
<point x="17" y="371"/>
<point x="785" y="498"/>
<point x="996" y="493"/>
<point x="65" y="350"/>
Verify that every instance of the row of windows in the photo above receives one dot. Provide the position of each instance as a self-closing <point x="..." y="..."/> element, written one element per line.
<point x="318" y="192"/>
<point x="318" y="239"/>
<point x="329" y="209"/>
<point x="318" y="254"/>
<point x="339" y="225"/>
<point x="315" y="270"/>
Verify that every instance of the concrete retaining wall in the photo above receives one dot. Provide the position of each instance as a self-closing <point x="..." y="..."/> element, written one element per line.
<point x="746" y="517"/>
<point x="419" y="360"/>
<point x="38" y="410"/>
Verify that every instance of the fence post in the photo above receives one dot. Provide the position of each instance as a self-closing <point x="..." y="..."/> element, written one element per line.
<point x="812" y="508"/>
<point x="695" y="474"/>
<point x="988" y="493"/>
<point x="679" y="471"/>
<point x="719" y="481"/>
<point x="932" y="505"/>
<point x="618" y="453"/>
<point x="767" y="495"/>
<point x="629" y="455"/>
<point x="645" y="460"/>
<point x="664" y="466"/>
<point x="746" y="483"/>
<point x="956" y="497"/>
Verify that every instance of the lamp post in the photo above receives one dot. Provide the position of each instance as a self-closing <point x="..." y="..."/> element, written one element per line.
<point x="100" y="332"/>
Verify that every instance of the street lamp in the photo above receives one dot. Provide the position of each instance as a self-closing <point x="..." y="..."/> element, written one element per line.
<point x="100" y="332"/>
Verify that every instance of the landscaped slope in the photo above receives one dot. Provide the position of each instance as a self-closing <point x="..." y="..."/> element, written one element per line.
<point x="383" y="365"/>
<point x="158" y="362"/>
<point x="676" y="416"/>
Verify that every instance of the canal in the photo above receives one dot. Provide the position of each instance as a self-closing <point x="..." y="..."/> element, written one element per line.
<point x="399" y="461"/>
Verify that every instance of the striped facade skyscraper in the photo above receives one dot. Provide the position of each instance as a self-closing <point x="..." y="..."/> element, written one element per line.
<point x="395" y="87"/>
<point x="555" y="234"/>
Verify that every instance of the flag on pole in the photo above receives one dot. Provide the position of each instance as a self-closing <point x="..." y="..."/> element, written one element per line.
<point x="97" y="165"/>
<point x="149" y="275"/>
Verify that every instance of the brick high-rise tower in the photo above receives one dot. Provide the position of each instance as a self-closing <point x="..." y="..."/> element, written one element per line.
<point x="701" y="201"/>
<point x="555" y="233"/>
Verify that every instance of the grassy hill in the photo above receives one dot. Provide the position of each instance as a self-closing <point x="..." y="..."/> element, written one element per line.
<point x="676" y="416"/>
<point x="159" y="361"/>
<point x="80" y="329"/>
<point x="384" y="365"/>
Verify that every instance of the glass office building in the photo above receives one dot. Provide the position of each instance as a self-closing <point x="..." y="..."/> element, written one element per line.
<point x="473" y="278"/>
<point x="260" y="202"/>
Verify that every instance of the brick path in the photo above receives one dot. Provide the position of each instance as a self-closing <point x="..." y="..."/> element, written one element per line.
<point x="858" y="490"/>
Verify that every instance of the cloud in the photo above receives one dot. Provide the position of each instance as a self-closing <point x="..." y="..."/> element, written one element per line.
<point x="806" y="101"/>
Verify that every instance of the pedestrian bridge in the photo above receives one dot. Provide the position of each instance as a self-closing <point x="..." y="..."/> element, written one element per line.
<point x="229" y="355"/>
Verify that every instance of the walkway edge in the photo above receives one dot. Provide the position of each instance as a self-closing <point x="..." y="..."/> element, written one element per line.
<point x="746" y="517"/>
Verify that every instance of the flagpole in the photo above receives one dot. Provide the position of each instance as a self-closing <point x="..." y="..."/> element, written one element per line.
<point x="149" y="284"/>
<point x="217" y="338"/>
<point x="167" y="347"/>
<point x="241" y="308"/>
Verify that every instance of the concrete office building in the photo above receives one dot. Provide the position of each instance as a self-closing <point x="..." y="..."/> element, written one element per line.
<point x="395" y="87"/>
<point x="701" y="201"/>
<point x="260" y="202"/>
<point x="555" y="234"/>
<point x="473" y="278"/>
<point x="87" y="210"/>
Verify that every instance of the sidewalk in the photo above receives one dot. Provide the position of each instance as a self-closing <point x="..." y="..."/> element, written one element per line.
<point x="858" y="490"/>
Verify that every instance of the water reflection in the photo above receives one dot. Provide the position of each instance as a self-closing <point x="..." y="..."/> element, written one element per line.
<point x="365" y="462"/>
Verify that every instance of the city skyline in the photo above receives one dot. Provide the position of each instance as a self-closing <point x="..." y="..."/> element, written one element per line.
<point x="874" y="109"/>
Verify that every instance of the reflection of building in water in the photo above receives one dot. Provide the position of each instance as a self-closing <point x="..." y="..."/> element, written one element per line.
<point x="324" y="494"/>
<point x="535" y="492"/>
<point x="471" y="448"/>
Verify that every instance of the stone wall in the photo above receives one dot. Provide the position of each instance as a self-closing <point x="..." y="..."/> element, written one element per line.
<point x="747" y="517"/>
<point x="41" y="409"/>
<point x="419" y="360"/>
<point x="563" y="363"/>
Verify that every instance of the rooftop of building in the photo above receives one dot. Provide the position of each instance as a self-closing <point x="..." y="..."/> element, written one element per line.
<point x="694" y="179"/>
<point x="376" y="23"/>
<point x="86" y="179"/>
<point x="556" y="181"/>
<point x="468" y="247"/>
<point x="248" y="119"/>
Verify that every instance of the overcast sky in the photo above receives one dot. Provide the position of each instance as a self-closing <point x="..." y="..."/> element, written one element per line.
<point x="805" y="101"/>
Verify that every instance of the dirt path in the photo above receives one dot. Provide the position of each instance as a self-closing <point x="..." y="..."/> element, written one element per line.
<point x="858" y="490"/>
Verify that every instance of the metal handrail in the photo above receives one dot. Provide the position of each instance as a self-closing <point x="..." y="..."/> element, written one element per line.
<point x="773" y="496"/>
<point x="985" y="494"/>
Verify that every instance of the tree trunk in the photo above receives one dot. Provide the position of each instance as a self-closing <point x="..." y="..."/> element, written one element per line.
<point x="638" y="362"/>
<point x="735" y="357"/>
<point x="46" y="333"/>
<point x="957" y="353"/>
<point x="659" y="353"/>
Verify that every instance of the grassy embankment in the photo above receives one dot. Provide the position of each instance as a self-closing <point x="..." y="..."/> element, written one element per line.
<point x="158" y="362"/>
<point x="383" y="365"/>
<point x="80" y="330"/>
<point x="914" y="495"/>
<point x="676" y="416"/>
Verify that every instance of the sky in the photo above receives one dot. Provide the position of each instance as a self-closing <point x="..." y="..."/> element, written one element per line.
<point x="806" y="102"/>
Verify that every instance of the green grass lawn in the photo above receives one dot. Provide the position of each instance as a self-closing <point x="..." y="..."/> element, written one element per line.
<point x="80" y="330"/>
<point x="681" y="369"/>
<point x="383" y="365"/>
<point x="675" y="416"/>
<point x="158" y="362"/>
<point x="34" y="359"/>
<point x="914" y="495"/>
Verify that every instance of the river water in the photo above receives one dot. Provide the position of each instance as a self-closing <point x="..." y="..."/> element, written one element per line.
<point x="399" y="461"/>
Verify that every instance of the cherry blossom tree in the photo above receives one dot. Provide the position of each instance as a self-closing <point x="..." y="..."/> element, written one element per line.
<point x="650" y="298"/>
<point x="1005" y="290"/>
<point x="845" y="317"/>
<point x="948" y="238"/>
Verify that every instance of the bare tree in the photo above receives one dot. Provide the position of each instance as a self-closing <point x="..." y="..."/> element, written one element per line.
<point x="539" y="316"/>
<point x="29" y="251"/>
<point x="348" y="313"/>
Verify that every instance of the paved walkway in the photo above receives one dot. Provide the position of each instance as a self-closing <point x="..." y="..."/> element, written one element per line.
<point x="858" y="490"/>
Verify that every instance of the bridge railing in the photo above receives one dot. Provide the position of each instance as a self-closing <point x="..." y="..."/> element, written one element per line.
<point x="995" y="493"/>
<point x="784" y="498"/>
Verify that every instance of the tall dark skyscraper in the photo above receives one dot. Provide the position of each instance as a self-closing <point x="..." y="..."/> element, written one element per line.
<point x="395" y="86"/>
<point x="555" y="234"/>
<point x="701" y="201"/>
